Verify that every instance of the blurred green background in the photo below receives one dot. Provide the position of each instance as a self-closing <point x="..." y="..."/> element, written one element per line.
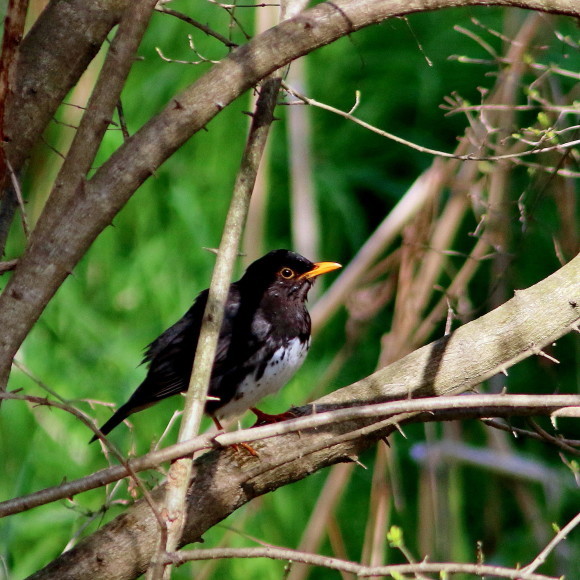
<point x="145" y="270"/>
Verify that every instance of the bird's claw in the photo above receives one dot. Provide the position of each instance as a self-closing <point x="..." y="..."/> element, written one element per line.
<point x="267" y="419"/>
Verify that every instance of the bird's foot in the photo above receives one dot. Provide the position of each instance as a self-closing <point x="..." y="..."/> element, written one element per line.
<point x="239" y="446"/>
<point x="236" y="446"/>
<point x="267" y="419"/>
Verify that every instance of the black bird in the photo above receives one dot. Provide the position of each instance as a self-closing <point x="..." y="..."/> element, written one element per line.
<point x="263" y="341"/>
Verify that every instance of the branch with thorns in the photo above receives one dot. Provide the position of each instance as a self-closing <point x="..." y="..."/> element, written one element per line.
<point x="361" y="571"/>
<point x="430" y="409"/>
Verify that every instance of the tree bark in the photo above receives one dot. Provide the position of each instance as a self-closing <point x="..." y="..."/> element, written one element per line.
<point x="50" y="61"/>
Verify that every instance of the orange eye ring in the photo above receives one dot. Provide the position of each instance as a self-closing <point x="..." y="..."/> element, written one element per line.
<point x="287" y="273"/>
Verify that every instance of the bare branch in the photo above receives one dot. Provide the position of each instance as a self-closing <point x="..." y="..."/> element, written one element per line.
<point x="360" y="570"/>
<point x="536" y="149"/>
<point x="209" y="31"/>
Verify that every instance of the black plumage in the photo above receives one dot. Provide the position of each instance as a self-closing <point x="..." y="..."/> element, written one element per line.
<point x="264" y="338"/>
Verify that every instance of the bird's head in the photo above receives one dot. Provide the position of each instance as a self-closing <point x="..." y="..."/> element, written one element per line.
<point x="285" y="273"/>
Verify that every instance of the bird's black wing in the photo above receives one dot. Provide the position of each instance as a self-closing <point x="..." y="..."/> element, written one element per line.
<point x="188" y="324"/>
<point x="170" y="356"/>
<point x="247" y="346"/>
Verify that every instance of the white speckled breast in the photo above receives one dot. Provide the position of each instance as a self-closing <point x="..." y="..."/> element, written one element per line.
<point x="281" y="368"/>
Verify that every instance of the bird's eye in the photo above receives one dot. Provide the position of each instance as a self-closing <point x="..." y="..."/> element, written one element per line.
<point x="287" y="273"/>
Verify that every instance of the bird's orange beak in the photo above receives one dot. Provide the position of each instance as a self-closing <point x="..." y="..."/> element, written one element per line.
<point x="321" y="268"/>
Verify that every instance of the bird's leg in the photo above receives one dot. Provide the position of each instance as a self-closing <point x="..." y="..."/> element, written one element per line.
<point x="217" y="424"/>
<point x="267" y="419"/>
<point x="236" y="446"/>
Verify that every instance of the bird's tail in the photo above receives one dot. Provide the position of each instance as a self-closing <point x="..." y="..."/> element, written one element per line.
<point x="120" y="415"/>
<point x="139" y="400"/>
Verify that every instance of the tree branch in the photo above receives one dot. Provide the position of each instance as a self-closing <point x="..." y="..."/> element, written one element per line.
<point x="361" y="571"/>
<point x="50" y="61"/>
<point x="424" y="410"/>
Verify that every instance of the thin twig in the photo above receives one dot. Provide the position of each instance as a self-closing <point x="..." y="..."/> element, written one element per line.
<point x="360" y="570"/>
<point x="469" y="157"/>
<point x="518" y="432"/>
<point x="561" y="443"/>
<point x="209" y="31"/>
<point x="20" y="199"/>
<point x="7" y="266"/>
<point x="541" y="557"/>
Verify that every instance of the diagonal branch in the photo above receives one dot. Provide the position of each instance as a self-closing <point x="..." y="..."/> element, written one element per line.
<point x="425" y="410"/>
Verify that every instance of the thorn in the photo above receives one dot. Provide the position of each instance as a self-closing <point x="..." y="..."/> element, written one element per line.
<point x="503" y="371"/>
<point x="400" y="430"/>
<point x="386" y="442"/>
<point x="355" y="459"/>
<point x="549" y="357"/>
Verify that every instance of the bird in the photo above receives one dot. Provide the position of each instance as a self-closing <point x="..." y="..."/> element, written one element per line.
<point x="263" y="341"/>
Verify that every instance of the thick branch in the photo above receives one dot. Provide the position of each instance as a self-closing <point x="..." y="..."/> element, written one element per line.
<point x="51" y="59"/>
<point x="225" y="480"/>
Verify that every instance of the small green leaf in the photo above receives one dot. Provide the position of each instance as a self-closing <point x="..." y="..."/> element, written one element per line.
<point x="395" y="537"/>
<point x="543" y="119"/>
<point x="528" y="59"/>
